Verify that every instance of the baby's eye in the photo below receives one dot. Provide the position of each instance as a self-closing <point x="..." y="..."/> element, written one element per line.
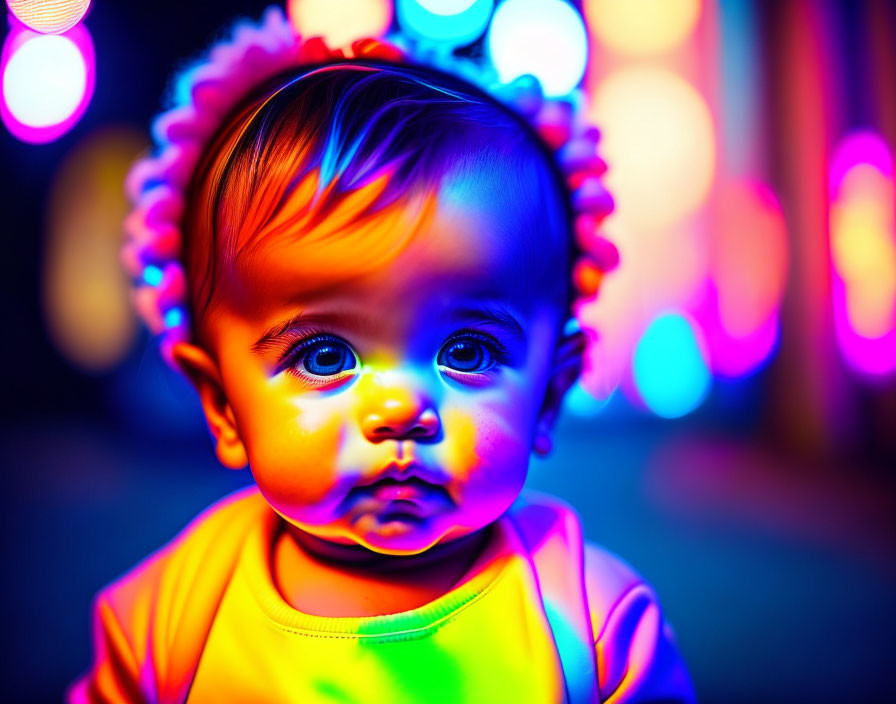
<point x="324" y="355"/>
<point x="470" y="354"/>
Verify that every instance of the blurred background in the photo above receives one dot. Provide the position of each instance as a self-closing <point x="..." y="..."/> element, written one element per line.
<point x="735" y="435"/>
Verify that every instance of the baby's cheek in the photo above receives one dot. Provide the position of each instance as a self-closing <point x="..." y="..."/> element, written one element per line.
<point x="486" y="453"/>
<point x="292" y="454"/>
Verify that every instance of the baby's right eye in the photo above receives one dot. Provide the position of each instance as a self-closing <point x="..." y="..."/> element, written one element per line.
<point x="322" y="358"/>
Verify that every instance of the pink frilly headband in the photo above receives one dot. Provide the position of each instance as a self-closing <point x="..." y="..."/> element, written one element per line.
<point x="156" y="184"/>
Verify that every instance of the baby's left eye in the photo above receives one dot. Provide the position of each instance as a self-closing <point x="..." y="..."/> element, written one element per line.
<point x="468" y="354"/>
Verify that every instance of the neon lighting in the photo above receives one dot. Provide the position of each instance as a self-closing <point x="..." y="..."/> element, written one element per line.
<point x="87" y="310"/>
<point x="174" y="317"/>
<point x="340" y="22"/>
<point x="659" y="137"/>
<point x="545" y="38"/>
<point x="48" y="81"/>
<point x="740" y="100"/>
<point x="446" y="7"/>
<point x="152" y="275"/>
<point x="642" y="27"/>
<point x="456" y="22"/>
<point x="863" y="252"/>
<point x="48" y="16"/>
<point x="579" y="401"/>
<point x="749" y="263"/>
<point x="670" y="370"/>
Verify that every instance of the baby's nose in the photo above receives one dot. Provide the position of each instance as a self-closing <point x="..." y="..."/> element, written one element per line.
<point x="399" y="413"/>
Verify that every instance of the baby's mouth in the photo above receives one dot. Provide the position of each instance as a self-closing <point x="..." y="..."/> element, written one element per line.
<point x="411" y="498"/>
<point x="411" y="489"/>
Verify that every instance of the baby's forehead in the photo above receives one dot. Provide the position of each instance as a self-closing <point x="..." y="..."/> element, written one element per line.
<point x="476" y="234"/>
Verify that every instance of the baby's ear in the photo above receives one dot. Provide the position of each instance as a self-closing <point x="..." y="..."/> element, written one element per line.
<point x="203" y="371"/>
<point x="567" y="366"/>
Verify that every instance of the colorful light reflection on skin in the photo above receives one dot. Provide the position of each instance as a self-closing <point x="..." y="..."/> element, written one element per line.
<point x="863" y="253"/>
<point x="445" y="269"/>
<point x="48" y="81"/>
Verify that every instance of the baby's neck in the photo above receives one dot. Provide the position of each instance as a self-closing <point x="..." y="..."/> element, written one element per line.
<point x="319" y="577"/>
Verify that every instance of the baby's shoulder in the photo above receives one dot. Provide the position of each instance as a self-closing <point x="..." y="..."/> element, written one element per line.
<point x="207" y="544"/>
<point x="607" y="577"/>
<point x="150" y="624"/>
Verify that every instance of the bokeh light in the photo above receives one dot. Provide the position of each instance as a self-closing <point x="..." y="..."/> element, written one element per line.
<point x="48" y="81"/>
<point x="449" y="22"/>
<point x="749" y="263"/>
<point x="642" y="27"/>
<point x="544" y="38"/>
<point x="86" y="302"/>
<point x="49" y="16"/>
<point x="340" y="22"/>
<point x="863" y="252"/>
<point x="670" y="369"/>
<point x="660" y="139"/>
<point x="582" y="403"/>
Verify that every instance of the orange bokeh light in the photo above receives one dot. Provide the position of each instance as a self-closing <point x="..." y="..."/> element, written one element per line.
<point x="863" y="249"/>
<point x="749" y="257"/>
<point x="85" y="288"/>
<point x="642" y="27"/>
<point x="340" y="22"/>
<point x="659" y="140"/>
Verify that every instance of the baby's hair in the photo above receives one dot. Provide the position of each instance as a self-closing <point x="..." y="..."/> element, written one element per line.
<point x="261" y="110"/>
<point x="344" y="126"/>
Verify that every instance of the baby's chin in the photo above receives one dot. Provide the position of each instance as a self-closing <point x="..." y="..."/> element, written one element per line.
<point x="398" y="534"/>
<point x="385" y="534"/>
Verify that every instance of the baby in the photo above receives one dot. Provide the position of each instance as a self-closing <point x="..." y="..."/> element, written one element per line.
<point x="378" y="267"/>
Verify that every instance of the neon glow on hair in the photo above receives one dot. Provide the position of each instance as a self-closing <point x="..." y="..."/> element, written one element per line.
<point x="232" y="69"/>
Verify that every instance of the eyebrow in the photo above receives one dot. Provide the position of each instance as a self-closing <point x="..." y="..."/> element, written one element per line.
<point x="486" y="315"/>
<point x="491" y="315"/>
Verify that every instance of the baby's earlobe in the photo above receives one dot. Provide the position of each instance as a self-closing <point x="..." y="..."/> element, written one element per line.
<point x="230" y="450"/>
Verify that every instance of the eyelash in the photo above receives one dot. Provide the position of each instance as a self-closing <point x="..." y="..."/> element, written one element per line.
<point x="497" y="350"/>
<point x="290" y="360"/>
<point x="307" y="338"/>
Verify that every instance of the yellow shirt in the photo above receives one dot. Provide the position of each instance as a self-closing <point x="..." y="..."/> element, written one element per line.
<point x="487" y="640"/>
<point x="201" y="620"/>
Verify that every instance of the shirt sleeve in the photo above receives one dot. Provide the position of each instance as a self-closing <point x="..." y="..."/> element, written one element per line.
<point x="150" y="625"/>
<point x="637" y="659"/>
<point x="114" y="676"/>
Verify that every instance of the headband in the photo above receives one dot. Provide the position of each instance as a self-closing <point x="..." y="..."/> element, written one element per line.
<point x="206" y="93"/>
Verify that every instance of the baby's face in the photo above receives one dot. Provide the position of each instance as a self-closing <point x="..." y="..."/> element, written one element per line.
<point x="386" y="382"/>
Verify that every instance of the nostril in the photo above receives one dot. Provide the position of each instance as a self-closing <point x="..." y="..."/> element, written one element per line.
<point x="419" y="426"/>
